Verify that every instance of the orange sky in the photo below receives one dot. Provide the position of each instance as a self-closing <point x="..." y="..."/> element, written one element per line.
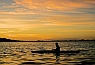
<point x="47" y="19"/>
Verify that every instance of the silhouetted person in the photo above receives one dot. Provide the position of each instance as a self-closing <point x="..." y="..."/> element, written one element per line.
<point x="57" y="50"/>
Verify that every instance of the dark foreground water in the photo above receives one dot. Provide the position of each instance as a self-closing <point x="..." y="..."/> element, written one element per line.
<point x="19" y="53"/>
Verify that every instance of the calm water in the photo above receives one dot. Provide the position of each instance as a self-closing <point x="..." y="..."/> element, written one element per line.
<point x="19" y="53"/>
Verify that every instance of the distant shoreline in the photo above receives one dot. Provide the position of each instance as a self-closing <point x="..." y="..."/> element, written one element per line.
<point x="52" y="41"/>
<point x="9" y="40"/>
<point x="60" y="41"/>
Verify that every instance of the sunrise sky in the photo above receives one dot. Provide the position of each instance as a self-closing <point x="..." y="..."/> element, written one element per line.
<point x="47" y="19"/>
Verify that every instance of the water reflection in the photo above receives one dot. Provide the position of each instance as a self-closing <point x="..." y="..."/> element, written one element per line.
<point x="19" y="53"/>
<point x="57" y="59"/>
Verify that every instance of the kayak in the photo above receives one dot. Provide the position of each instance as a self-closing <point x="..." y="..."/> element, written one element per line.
<point x="52" y="51"/>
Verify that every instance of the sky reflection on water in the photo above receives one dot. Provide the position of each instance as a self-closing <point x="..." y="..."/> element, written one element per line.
<point x="19" y="53"/>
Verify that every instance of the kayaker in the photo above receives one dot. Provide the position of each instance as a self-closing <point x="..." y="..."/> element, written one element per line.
<point x="57" y="50"/>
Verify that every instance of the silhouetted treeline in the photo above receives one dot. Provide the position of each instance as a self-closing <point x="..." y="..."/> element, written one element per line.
<point x="7" y="40"/>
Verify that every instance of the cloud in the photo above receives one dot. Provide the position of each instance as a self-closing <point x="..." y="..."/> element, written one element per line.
<point x="23" y="24"/>
<point x="13" y="23"/>
<point x="44" y="6"/>
<point x="54" y="4"/>
<point x="71" y="20"/>
<point x="47" y="18"/>
<point x="20" y="11"/>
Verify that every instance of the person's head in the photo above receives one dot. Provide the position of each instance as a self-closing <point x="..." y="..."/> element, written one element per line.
<point x="56" y="44"/>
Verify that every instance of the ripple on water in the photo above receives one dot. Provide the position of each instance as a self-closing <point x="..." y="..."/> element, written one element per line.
<point x="31" y="63"/>
<point x="5" y="63"/>
<point x="14" y="53"/>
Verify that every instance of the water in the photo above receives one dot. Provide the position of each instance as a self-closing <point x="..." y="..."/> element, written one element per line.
<point x="19" y="53"/>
